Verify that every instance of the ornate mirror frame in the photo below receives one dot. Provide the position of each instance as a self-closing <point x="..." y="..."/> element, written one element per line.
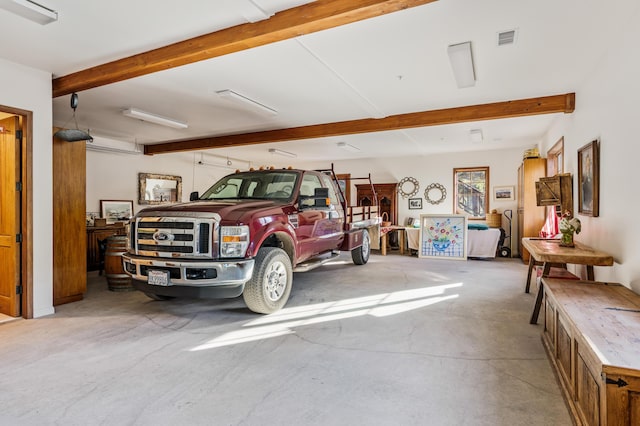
<point x="159" y="189"/>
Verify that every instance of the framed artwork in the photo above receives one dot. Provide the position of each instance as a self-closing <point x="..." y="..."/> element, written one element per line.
<point x="116" y="210"/>
<point x="504" y="193"/>
<point x="159" y="189"/>
<point x="589" y="179"/>
<point x="443" y="236"/>
<point x="415" y="203"/>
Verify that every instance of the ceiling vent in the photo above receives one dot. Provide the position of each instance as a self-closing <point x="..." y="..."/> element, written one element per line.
<point x="506" y="37"/>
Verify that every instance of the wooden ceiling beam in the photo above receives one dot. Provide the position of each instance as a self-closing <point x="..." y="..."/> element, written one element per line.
<point x="519" y="108"/>
<point x="309" y="18"/>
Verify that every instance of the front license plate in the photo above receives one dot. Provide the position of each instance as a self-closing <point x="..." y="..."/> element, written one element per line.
<point x="158" y="278"/>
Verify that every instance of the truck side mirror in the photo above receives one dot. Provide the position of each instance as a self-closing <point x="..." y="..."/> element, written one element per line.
<point x="194" y="196"/>
<point x="321" y="197"/>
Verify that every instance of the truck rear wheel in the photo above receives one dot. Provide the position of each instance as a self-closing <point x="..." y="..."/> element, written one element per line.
<point x="360" y="255"/>
<point x="268" y="289"/>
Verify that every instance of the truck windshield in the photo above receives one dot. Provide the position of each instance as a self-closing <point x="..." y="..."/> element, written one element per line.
<point x="254" y="185"/>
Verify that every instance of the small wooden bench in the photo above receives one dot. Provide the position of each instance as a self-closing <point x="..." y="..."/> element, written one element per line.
<point x="556" y="270"/>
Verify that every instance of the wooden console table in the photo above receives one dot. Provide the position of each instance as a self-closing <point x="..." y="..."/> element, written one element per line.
<point x="591" y="334"/>
<point x="549" y="253"/>
<point x="384" y="231"/>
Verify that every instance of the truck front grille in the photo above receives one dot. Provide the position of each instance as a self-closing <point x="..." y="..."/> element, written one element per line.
<point x="175" y="237"/>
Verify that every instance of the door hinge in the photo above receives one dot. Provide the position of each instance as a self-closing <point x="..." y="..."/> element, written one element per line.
<point x="19" y="135"/>
<point x="18" y="289"/>
<point x="621" y="383"/>
<point x="19" y="186"/>
<point x="18" y="238"/>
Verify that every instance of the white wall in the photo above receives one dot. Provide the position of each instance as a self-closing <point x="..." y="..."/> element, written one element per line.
<point x="607" y="110"/>
<point x="114" y="176"/>
<point x="30" y="89"/>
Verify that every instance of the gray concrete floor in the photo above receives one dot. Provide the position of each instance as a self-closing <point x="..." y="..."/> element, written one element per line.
<point x="399" y="341"/>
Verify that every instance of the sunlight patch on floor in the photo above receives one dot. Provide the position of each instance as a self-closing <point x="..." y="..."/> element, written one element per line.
<point x="284" y="321"/>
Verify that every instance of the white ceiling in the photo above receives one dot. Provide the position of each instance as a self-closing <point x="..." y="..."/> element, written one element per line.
<point x="383" y="66"/>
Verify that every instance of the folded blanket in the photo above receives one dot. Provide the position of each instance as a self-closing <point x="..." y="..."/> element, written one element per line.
<point x="478" y="226"/>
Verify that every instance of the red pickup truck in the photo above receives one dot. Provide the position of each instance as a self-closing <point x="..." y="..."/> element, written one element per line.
<point x="246" y="235"/>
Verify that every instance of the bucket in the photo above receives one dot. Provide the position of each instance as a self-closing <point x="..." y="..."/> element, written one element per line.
<point x="114" y="271"/>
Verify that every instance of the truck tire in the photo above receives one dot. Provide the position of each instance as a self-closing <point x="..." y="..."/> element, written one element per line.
<point x="360" y="255"/>
<point x="268" y="289"/>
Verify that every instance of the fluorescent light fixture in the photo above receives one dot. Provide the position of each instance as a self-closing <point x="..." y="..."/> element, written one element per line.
<point x="462" y="64"/>
<point x="281" y="152"/>
<point x="153" y="118"/>
<point x="30" y="10"/>
<point x="476" y="135"/>
<point x="348" y="147"/>
<point x="241" y="100"/>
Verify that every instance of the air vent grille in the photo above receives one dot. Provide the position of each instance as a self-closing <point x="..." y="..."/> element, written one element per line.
<point x="506" y="37"/>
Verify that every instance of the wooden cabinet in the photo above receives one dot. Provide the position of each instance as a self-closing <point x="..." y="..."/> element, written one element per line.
<point x="387" y="198"/>
<point x="95" y="233"/>
<point x="556" y="191"/>
<point x="69" y="221"/>
<point x="591" y="337"/>
<point x="531" y="217"/>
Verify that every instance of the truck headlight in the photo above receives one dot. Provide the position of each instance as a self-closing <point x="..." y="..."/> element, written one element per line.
<point x="234" y="241"/>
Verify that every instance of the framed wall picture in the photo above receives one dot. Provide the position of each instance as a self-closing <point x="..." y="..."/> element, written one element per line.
<point x="589" y="179"/>
<point x="159" y="189"/>
<point x="116" y="210"/>
<point x="504" y="193"/>
<point x="415" y="203"/>
<point x="443" y="236"/>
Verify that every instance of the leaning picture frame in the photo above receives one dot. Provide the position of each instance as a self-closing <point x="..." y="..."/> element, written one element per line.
<point x="443" y="236"/>
<point x="116" y="210"/>
<point x="589" y="179"/>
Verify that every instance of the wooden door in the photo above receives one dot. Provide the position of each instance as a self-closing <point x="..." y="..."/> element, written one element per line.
<point x="9" y="217"/>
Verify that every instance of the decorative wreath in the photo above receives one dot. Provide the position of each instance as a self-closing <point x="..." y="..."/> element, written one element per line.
<point x="439" y="187"/>
<point x="413" y="191"/>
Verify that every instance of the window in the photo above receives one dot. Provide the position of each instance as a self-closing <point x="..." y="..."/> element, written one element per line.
<point x="555" y="158"/>
<point x="326" y="180"/>
<point x="471" y="191"/>
<point x="307" y="188"/>
<point x="253" y="185"/>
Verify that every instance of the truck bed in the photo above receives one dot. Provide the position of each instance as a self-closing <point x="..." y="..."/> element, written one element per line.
<point x="362" y="216"/>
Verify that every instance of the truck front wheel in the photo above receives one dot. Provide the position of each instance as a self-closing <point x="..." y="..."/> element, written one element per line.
<point x="268" y="289"/>
<point x="360" y="255"/>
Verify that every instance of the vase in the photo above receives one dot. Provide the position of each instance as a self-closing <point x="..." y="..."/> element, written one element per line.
<point x="441" y="245"/>
<point x="567" y="239"/>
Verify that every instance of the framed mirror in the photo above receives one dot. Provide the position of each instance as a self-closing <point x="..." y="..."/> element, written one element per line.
<point x="159" y="189"/>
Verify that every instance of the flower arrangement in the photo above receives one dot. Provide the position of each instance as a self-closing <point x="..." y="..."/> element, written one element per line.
<point x="568" y="226"/>
<point x="443" y="234"/>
